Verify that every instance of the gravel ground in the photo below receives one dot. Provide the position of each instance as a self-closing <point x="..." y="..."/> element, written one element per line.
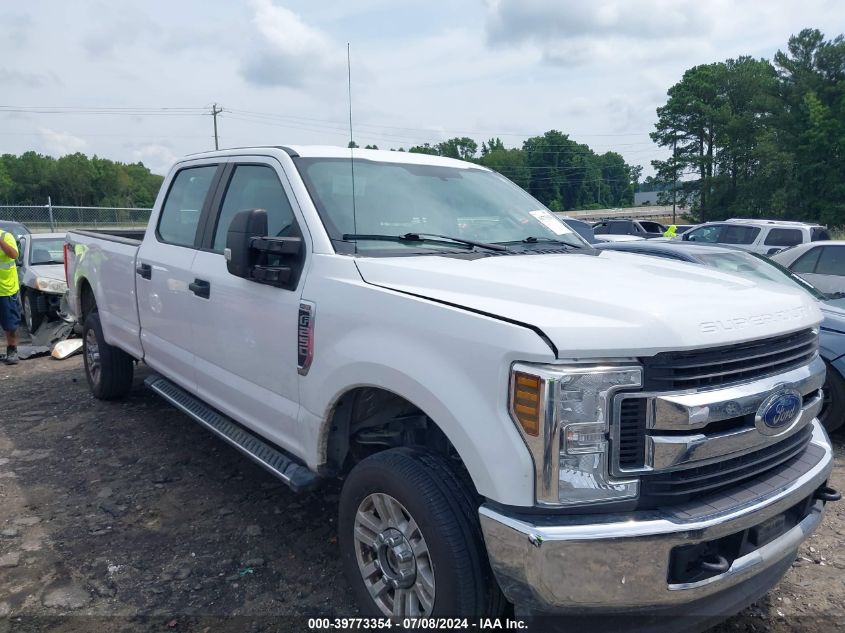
<point x="127" y="516"/>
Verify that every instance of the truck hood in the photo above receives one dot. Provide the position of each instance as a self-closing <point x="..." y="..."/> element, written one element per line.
<point x="610" y="305"/>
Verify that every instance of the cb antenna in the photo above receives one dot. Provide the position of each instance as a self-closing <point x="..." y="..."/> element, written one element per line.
<point x="351" y="143"/>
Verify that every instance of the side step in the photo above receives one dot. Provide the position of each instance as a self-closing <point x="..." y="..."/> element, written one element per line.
<point x="295" y="475"/>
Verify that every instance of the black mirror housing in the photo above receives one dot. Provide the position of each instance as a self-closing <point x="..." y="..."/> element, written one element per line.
<point x="245" y="226"/>
<point x="252" y="255"/>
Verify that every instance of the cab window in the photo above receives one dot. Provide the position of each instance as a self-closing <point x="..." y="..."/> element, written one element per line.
<point x="180" y="215"/>
<point x="255" y="187"/>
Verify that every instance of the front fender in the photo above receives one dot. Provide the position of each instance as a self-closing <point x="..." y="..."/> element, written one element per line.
<point x="452" y="364"/>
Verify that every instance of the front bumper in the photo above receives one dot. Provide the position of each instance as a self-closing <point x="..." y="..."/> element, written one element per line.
<point x="621" y="562"/>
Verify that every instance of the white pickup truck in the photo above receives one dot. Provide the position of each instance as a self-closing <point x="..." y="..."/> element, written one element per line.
<point x="518" y="417"/>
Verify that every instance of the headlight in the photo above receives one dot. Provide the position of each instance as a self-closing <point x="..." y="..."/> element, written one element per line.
<point x="563" y="413"/>
<point x="53" y="286"/>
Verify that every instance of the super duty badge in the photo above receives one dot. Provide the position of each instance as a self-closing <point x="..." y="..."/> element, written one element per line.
<point x="305" y="336"/>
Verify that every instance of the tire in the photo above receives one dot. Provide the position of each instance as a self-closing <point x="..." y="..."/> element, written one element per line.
<point x="832" y="415"/>
<point x="32" y="318"/>
<point x="448" y="574"/>
<point x="109" y="370"/>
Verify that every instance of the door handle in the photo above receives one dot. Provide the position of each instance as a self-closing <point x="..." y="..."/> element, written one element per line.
<point x="145" y="270"/>
<point x="200" y="288"/>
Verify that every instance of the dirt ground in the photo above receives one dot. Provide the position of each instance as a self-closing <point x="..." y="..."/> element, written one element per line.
<point x="127" y="516"/>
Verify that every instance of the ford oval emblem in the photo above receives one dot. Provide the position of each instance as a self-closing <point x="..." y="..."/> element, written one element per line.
<point x="778" y="412"/>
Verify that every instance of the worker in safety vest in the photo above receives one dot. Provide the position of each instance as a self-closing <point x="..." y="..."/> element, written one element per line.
<point x="10" y="308"/>
<point x="671" y="231"/>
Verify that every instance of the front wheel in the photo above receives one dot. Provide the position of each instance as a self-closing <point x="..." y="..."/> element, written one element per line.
<point x="832" y="415"/>
<point x="410" y="540"/>
<point x="109" y="369"/>
<point x="32" y="318"/>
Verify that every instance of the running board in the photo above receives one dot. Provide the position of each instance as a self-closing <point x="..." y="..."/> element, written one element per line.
<point x="298" y="477"/>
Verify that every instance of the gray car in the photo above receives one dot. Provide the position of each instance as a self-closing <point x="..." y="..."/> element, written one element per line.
<point x="727" y="259"/>
<point x="820" y="263"/>
<point x="41" y="273"/>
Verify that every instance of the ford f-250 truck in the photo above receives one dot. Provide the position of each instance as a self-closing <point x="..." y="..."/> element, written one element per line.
<point x="517" y="416"/>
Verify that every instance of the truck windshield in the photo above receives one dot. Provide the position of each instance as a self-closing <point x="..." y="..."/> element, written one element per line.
<point x="397" y="199"/>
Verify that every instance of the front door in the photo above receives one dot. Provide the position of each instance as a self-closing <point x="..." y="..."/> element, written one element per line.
<point x="163" y="274"/>
<point x="245" y="333"/>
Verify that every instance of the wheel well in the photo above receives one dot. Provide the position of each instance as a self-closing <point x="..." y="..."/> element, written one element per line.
<point x="87" y="302"/>
<point x="367" y="420"/>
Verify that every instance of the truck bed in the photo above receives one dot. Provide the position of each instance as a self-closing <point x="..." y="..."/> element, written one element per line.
<point x="127" y="236"/>
<point x="104" y="261"/>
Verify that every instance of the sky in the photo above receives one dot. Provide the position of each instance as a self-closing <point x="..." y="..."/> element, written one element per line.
<point x="136" y="81"/>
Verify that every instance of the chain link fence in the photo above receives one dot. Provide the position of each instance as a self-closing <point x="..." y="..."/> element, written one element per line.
<point x="48" y="217"/>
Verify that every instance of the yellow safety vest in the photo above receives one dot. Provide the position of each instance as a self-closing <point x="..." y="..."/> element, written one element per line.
<point x="671" y="231"/>
<point x="8" y="270"/>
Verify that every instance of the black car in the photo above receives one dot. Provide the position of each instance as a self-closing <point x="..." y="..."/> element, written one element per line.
<point x="639" y="228"/>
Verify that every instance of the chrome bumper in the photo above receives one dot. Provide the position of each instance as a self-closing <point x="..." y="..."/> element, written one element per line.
<point x="581" y="563"/>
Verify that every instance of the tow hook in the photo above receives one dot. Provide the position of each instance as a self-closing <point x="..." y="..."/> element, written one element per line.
<point x="826" y="493"/>
<point x="715" y="563"/>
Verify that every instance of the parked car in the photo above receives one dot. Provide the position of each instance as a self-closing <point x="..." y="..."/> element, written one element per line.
<point x="638" y="228"/>
<point x="517" y="416"/>
<point x="41" y="273"/>
<point x="820" y="263"/>
<point x="585" y="230"/>
<point x="726" y="258"/>
<point x="760" y="236"/>
<point x="582" y="228"/>
<point x="15" y="228"/>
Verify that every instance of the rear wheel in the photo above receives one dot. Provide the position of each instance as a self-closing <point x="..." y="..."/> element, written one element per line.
<point x="109" y="369"/>
<point x="410" y="540"/>
<point x="832" y="415"/>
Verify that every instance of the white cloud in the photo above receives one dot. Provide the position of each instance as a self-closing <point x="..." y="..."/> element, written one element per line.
<point x="60" y="143"/>
<point x="287" y="51"/>
<point x="157" y="157"/>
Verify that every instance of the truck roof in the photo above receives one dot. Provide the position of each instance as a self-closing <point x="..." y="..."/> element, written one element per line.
<point x="331" y="151"/>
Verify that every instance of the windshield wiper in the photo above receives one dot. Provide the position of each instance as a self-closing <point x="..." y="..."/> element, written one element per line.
<point x="426" y="237"/>
<point x="531" y="239"/>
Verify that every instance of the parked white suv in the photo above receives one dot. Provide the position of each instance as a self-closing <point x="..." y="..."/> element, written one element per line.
<point x="760" y="236"/>
<point x="512" y="420"/>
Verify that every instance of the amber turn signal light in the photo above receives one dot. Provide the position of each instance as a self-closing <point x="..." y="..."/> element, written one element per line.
<point x="526" y="402"/>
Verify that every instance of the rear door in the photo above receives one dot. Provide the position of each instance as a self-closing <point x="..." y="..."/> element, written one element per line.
<point x="245" y="333"/>
<point x="166" y="309"/>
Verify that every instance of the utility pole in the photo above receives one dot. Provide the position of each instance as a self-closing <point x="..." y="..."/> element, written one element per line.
<point x="674" y="173"/>
<point x="214" y="112"/>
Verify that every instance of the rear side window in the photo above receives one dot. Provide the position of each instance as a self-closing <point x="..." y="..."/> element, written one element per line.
<point x="807" y="262"/>
<point x="600" y="228"/>
<point x="618" y="227"/>
<point x="738" y="234"/>
<point x="255" y="187"/>
<point x="831" y="261"/>
<point x="180" y="215"/>
<point x="783" y="237"/>
<point x="819" y="233"/>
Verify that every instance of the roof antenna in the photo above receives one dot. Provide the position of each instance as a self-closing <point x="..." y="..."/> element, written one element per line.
<point x="351" y="143"/>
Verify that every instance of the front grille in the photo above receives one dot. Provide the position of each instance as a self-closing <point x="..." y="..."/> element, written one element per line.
<point x="682" y="485"/>
<point x="720" y="366"/>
